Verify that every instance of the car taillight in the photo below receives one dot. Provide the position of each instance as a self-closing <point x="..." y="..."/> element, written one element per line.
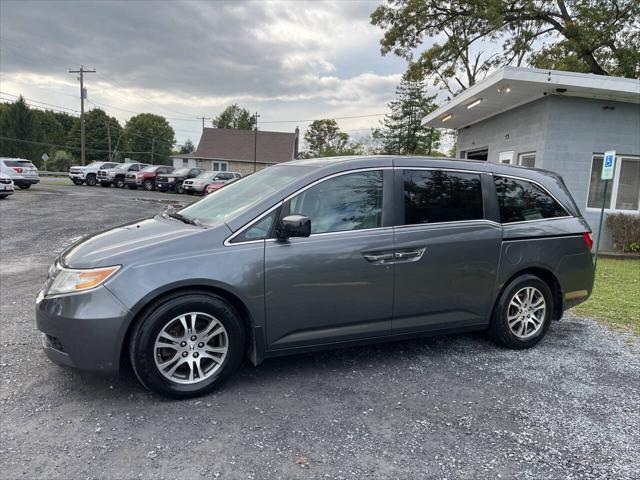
<point x="18" y="169"/>
<point x="588" y="239"/>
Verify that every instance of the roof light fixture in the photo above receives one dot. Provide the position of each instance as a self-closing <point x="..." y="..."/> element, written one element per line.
<point x="475" y="103"/>
<point x="504" y="89"/>
<point x="446" y="118"/>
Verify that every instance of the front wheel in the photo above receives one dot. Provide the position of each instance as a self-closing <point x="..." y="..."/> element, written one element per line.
<point x="523" y="313"/>
<point x="179" y="189"/>
<point x="188" y="345"/>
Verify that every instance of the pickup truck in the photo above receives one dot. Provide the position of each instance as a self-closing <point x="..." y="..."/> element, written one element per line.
<point x="173" y="181"/>
<point x="146" y="177"/>
<point x="116" y="176"/>
<point x="89" y="173"/>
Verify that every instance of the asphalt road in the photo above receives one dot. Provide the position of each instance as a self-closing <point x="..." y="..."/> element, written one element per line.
<point x="443" y="407"/>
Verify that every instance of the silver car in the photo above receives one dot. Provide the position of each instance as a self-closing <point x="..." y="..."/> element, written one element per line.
<point x="22" y="172"/>
<point x="317" y="254"/>
<point x="198" y="184"/>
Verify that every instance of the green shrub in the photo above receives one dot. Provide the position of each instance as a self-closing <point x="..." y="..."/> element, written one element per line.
<point x="625" y="232"/>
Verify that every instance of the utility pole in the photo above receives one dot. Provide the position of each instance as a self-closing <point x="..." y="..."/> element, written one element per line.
<point x="255" y="144"/>
<point x="153" y="146"/>
<point x="109" y="137"/>
<point x="203" y="119"/>
<point x="83" y="95"/>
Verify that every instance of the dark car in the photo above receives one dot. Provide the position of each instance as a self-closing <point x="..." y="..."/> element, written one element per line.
<point x="146" y="177"/>
<point x="173" y="181"/>
<point x="316" y="254"/>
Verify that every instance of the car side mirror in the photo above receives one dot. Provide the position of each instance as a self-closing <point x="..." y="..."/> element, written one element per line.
<point x="294" y="226"/>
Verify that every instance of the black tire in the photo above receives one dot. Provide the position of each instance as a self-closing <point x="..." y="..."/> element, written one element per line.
<point x="132" y="186"/>
<point x="141" y="344"/>
<point x="119" y="182"/>
<point x="179" y="189"/>
<point x="24" y="187"/>
<point x="149" y="185"/>
<point x="91" y="180"/>
<point x="77" y="181"/>
<point x="105" y="184"/>
<point x="499" y="329"/>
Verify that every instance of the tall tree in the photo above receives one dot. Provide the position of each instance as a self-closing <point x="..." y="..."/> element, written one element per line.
<point x="325" y="138"/>
<point x="403" y="132"/>
<point x="101" y="134"/>
<point x="17" y="122"/>
<point x="594" y="36"/>
<point x="235" y="117"/>
<point x="146" y="133"/>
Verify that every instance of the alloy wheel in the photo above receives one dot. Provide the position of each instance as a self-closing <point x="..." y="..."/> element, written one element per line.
<point x="526" y="312"/>
<point x="191" y="348"/>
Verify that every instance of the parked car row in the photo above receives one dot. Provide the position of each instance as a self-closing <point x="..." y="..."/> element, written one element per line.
<point x="21" y="172"/>
<point x="151" y="177"/>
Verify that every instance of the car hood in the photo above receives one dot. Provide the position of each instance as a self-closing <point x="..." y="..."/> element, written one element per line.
<point x="143" y="240"/>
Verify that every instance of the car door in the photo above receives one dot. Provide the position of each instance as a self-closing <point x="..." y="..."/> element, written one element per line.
<point x="447" y="248"/>
<point x="336" y="284"/>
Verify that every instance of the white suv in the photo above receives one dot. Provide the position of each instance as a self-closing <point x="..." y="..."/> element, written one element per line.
<point x="89" y="173"/>
<point x="22" y="172"/>
<point x="6" y="185"/>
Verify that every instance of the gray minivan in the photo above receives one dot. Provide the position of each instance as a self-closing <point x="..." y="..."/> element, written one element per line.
<point x="316" y="254"/>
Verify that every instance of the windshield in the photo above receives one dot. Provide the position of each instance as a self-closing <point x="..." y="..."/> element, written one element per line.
<point x="95" y="164"/>
<point x="182" y="171"/>
<point x="150" y="168"/>
<point x="239" y="196"/>
<point x="122" y="166"/>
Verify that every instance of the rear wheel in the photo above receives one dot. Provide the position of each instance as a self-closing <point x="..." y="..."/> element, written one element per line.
<point x="91" y="180"/>
<point x="523" y="313"/>
<point x="149" y="185"/>
<point x="187" y="346"/>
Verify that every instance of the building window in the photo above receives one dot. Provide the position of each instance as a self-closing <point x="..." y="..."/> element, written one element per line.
<point x="506" y="157"/>
<point x="478" y="154"/>
<point x="527" y="159"/>
<point x="185" y="162"/>
<point x="219" y="166"/>
<point x="623" y="191"/>
<point x="432" y="196"/>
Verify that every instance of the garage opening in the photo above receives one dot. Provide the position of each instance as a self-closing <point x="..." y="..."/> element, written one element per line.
<point x="478" y="154"/>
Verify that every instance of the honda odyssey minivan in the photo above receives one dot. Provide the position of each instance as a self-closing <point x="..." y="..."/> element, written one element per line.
<point x="316" y="254"/>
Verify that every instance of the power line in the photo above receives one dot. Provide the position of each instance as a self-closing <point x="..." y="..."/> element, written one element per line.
<point x="69" y="147"/>
<point x="38" y="101"/>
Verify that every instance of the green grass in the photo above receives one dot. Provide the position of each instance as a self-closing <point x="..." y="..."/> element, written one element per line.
<point x="616" y="294"/>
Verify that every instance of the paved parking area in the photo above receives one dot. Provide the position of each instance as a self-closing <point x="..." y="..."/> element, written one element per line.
<point x="443" y="407"/>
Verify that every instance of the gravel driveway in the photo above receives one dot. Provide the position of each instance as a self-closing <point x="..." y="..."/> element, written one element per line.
<point x="443" y="407"/>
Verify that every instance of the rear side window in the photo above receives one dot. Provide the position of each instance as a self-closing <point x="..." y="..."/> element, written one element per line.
<point x="520" y="201"/>
<point x="432" y="196"/>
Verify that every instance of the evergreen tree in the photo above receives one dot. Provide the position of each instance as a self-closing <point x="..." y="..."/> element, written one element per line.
<point x="17" y="122"/>
<point x="403" y="132"/>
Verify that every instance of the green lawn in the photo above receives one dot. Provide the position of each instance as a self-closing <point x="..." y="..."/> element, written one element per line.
<point x="616" y="295"/>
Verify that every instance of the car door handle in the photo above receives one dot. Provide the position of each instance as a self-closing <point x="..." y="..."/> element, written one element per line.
<point x="413" y="254"/>
<point x="378" y="257"/>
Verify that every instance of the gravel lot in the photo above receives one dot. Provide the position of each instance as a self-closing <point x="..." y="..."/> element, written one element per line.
<point x="443" y="407"/>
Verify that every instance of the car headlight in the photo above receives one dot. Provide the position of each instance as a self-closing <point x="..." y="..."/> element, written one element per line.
<point x="70" y="280"/>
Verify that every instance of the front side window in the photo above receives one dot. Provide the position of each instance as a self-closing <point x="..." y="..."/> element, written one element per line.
<point x="259" y="230"/>
<point x="432" y="196"/>
<point x="347" y="202"/>
<point x="520" y="201"/>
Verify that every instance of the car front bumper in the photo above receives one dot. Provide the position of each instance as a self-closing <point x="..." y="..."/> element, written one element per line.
<point x="194" y="188"/>
<point x="84" y="330"/>
<point x="162" y="186"/>
<point x="76" y="176"/>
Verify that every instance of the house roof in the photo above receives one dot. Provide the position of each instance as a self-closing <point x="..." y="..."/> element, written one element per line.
<point x="511" y="87"/>
<point x="238" y="145"/>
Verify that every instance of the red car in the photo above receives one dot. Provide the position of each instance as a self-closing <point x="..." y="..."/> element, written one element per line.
<point x="213" y="186"/>
<point x="220" y="181"/>
<point x="146" y="177"/>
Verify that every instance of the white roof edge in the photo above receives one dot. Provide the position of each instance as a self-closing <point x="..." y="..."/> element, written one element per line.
<point x="537" y="75"/>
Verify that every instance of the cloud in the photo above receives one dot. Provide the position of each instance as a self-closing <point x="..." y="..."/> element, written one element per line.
<point x="291" y="60"/>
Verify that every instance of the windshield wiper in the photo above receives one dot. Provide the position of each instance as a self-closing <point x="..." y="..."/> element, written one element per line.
<point x="182" y="218"/>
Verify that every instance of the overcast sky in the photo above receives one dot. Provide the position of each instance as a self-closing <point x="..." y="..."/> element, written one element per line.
<point x="289" y="60"/>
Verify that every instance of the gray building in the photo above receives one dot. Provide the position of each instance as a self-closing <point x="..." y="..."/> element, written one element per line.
<point x="559" y="121"/>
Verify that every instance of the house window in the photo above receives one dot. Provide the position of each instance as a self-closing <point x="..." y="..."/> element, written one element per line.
<point x="527" y="159"/>
<point x="506" y="157"/>
<point x="623" y="192"/>
<point x="219" y="166"/>
<point x="478" y="154"/>
<point x="185" y="162"/>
